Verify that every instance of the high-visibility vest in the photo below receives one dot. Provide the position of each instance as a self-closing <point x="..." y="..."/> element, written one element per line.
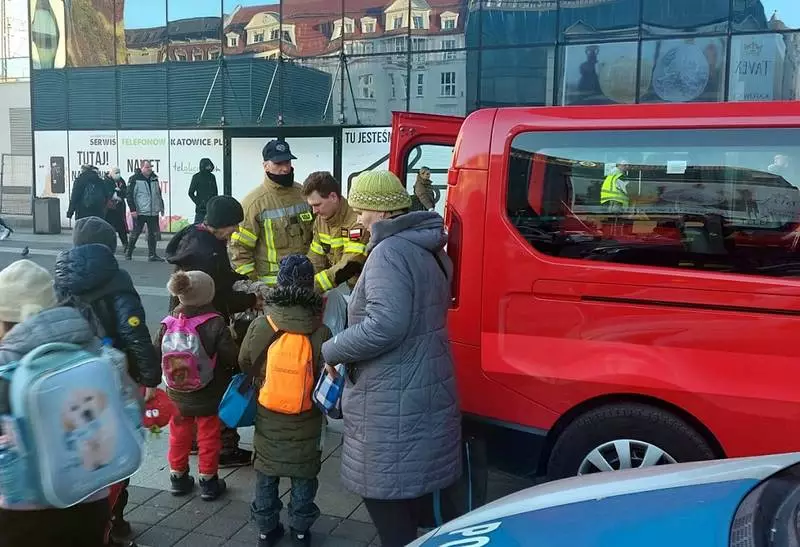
<point x="611" y="192"/>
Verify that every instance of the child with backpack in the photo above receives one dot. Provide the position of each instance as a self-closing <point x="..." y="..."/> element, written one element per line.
<point x="282" y="351"/>
<point x="198" y="359"/>
<point x="83" y="421"/>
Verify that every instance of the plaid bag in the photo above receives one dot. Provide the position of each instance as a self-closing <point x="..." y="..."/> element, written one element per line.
<point x="328" y="393"/>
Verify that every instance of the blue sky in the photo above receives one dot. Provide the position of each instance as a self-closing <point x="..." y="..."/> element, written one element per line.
<point x="153" y="13"/>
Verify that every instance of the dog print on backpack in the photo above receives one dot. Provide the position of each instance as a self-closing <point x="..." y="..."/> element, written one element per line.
<point x="185" y="364"/>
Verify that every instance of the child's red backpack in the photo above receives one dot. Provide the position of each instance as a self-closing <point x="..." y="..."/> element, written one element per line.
<point x="158" y="411"/>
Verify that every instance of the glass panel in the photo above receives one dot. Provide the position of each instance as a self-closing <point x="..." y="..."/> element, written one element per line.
<point x="311" y="28"/>
<point x="753" y="15"/>
<point x="763" y="68"/>
<point x="661" y="17"/>
<point x="426" y="175"/>
<point x="521" y="76"/>
<point x="319" y="102"/>
<point x="439" y="83"/>
<point x="17" y="68"/>
<point x="690" y="70"/>
<point x="598" y="21"/>
<point x="194" y="30"/>
<point x="378" y="84"/>
<point x="251" y="28"/>
<point x="195" y="98"/>
<point x="518" y="22"/>
<point x="91" y="26"/>
<point x="721" y="200"/>
<point x="48" y="34"/>
<point x="599" y="73"/>
<point x="145" y="24"/>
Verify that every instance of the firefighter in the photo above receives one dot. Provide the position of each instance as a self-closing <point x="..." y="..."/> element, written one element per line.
<point x="614" y="192"/>
<point x="339" y="247"/>
<point x="277" y="220"/>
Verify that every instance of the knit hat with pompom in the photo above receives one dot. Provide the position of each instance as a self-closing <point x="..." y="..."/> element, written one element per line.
<point x="193" y="288"/>
<point x="25" y="289"/>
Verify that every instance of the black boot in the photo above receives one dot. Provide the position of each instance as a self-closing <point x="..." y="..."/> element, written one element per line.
<point x="211" y="489"/>
<point x="181" y="485"/>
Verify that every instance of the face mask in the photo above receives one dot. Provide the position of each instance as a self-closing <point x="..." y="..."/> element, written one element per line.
<point x="284" y="180"/>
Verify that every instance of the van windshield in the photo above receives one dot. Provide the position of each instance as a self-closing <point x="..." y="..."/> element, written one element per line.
<point x="723" y="200"/>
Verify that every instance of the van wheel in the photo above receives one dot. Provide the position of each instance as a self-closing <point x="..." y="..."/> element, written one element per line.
<point x="624" y="436"/>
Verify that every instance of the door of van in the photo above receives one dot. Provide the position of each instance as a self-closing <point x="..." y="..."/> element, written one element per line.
<point x="424" y="140"/>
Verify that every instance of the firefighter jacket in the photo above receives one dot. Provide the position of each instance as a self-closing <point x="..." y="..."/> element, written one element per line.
<point x="277" y="222"/>
<point x="612" y="190"/>
<point x="339" y="248"/>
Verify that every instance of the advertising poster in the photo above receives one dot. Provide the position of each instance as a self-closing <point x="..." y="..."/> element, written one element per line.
<point x="186" y="149"/>
<point x="98" y="148"/>
<point x="364" y="149"/>
<point x="136" y="147"/>
<point x="51" y="168"/>
<point x="48" y="34"/>
<point x="247" y="171"/>
<point x="756" y="72"/>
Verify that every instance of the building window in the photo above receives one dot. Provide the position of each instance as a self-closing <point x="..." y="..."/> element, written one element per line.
<point x="418" y="24"/>
<point x="368" y="47"/>
<point x="420" y="85"/>
<point x="391" y="84"/>
<point x="399" y="45"/>
<point x="258" y="37"/>
<point x="180" y="56"/>
<point x="275" y="34"/>
<point x="197" y="55"/>
<point x="233" y="41"/>
<point x="366" y="87"/>
<point x="448" y="84"/>
<point x="418" y="44"/>
<point x="448" y="45"/>
<point x="368" y="28"/>
<point x="398" y="22"/>
<point x="449" y="24"/>
<point x="348" y="28"/>
<point x="214" y="54"/>
<point x="404" y="80"/>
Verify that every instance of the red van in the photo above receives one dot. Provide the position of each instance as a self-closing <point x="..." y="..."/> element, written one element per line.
<point x="626" y="287"/>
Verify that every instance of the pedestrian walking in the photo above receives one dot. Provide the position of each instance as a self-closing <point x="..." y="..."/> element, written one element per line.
<point x="195" y="381"/>
<point x="202" y="188"/>
<point x="203" y="247"/>
<point x="146" y="205"/>
<point x="284" y="348"/>
<point x="277" y="220"/>
<point x="117" y="209"/>
<point x="90" y="195"/>
<point x="29" y="317"/>
<point x="88" y="277"/>
<point x="400" y="375"/>
<point x="424" y="198"/>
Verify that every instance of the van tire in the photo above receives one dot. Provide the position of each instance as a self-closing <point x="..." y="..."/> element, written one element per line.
<point x="635" y="421"/>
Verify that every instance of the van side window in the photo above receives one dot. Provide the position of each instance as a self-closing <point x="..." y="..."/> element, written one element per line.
<point x="723" y="200"/>
<point x="426" y="171"/>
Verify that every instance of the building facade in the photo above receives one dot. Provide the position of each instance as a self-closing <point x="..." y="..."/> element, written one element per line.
<point x="328" y="73"/>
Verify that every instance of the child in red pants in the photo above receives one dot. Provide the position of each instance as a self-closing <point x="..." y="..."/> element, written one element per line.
<point x="198" y="358"/>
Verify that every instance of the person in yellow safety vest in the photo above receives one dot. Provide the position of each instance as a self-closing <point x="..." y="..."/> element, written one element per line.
<point x="277" y="220"/>
<point x="614" y="190"/>
<point x="339" y="248"/>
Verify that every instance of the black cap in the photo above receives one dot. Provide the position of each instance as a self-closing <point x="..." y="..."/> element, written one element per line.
<point x="277" y="151"/>
<point x="223" y="211"/>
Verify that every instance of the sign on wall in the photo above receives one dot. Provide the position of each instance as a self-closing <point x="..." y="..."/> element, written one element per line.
<point x="364" y="149"/>
<point x="247" y="171"/>
<point x="186" y="149"/>
<point x="136" y="147"/>
<point x="51" y="168"/>
<point x="98" y="148"/>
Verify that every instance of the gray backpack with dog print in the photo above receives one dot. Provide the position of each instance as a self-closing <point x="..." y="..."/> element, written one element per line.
<point x="69" y="434"/>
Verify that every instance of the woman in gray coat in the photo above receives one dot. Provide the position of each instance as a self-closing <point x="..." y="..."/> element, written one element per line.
<point x="402" y="426"/>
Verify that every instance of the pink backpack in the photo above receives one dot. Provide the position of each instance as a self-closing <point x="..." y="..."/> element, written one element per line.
<point x="184" y="361"/>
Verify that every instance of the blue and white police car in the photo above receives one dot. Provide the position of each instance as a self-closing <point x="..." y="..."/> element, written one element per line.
<point x="746" y="502"/>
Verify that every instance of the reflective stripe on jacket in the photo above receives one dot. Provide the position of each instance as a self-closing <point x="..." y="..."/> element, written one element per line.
<point x="339" y="248"/>
<point x="610" y="191"/>
<point x="277" y="222"/>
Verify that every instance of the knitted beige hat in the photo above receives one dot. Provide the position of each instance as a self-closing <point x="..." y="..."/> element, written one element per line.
<point x="193" y="288"/>
<point x="378" y="191"/>
<point x="25" y="289"/>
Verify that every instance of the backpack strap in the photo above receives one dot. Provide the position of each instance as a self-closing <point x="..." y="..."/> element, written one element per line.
<point x="198" y="320"/>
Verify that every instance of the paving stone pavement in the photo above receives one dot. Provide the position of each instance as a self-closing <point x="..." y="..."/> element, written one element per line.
<point x="162" y="520"/>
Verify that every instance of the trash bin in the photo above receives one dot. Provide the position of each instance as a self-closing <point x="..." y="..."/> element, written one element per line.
<point x="46" y="216"/>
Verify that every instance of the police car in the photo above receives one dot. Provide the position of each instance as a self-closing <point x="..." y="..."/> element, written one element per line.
<point x="746" y="502"/>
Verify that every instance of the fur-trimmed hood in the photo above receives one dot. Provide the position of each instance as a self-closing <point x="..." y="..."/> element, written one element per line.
<point x="294" y="309"/>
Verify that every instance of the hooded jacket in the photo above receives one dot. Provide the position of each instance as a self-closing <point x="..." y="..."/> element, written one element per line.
<point x="287" y="445"/>
<point x="195" y="248"/>
<point x="91" y="275"/>
<point x="400" y="402"/>
<point x="203" y="186"/>
<point x="76" y="202"/>
<point x="61" y="324"/>
<point x="216" y="340"/>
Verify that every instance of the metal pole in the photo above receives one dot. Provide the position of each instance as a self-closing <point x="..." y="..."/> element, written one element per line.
<point x="333" y="85"/>
<point x="208" y="97"/>
<point x="352" y="93"/>
<point x="269" y="91"/>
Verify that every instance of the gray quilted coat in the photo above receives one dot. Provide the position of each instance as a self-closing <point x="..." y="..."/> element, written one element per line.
<point x="402" y="426"/>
